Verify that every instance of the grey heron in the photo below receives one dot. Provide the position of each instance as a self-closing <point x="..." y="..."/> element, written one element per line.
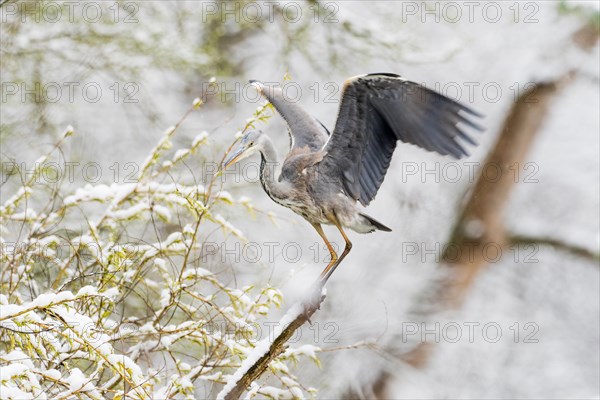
<point x="325" y="175"/>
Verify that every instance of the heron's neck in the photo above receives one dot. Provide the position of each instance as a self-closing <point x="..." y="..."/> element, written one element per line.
<point x="268" y="166"/>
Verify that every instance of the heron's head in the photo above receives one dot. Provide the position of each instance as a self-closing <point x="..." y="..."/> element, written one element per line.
<point x="250" y="143"/>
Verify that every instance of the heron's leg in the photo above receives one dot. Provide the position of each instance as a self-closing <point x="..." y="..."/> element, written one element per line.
<point x="330" y="268"/>
<point x="316" y="296"/>
<point x="334" y="256"/>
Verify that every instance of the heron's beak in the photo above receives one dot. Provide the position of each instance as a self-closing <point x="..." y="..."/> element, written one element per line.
<point x="234" y="157"/>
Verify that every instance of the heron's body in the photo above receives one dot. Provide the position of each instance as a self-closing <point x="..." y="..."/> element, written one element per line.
<point x="325" y="175"/>
<point x="301" y="188"/>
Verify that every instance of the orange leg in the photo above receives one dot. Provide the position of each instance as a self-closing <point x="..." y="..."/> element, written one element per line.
<point x="333" y="265"/>
<point x="334" y="256"/>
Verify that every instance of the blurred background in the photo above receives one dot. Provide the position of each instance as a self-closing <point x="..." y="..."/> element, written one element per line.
<point x="526" y="325"/>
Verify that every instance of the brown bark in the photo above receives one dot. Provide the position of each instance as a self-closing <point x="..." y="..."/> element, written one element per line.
<point x="277" y="347"/>
<point x="481" y="222"/>
<point x="480" y="226"/>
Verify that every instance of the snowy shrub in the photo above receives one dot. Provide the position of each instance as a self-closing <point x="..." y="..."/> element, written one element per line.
<point x="105" y="292"/>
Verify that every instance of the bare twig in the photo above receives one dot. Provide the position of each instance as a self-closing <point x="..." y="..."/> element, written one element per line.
<point x="574" y="249"/>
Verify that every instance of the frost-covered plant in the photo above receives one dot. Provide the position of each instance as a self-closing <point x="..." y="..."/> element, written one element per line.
<point x="104" y="292"/>
<point x="55" y="53"/>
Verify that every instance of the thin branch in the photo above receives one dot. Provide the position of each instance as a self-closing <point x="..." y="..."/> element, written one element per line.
<point x="556" y="243"/>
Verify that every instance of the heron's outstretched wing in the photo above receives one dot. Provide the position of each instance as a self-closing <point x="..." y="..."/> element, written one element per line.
<point x="304" y="129"/>
<point x="376" y="111"/>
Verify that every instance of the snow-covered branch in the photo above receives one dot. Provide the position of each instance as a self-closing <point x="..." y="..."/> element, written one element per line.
<point x="258" y="360"/>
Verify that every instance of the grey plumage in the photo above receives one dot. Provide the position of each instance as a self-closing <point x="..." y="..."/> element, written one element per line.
<point x="324" y="175"/>
<point x="376" y="111"/>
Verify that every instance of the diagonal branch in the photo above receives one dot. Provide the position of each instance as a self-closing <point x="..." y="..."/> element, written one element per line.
<point x="266" y="350"/>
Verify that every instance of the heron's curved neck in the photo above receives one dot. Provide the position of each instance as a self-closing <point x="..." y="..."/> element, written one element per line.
<point x="268" y="165"/>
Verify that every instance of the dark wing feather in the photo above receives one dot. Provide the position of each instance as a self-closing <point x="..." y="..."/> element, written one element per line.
<point x="376" y="111"/>
<point x="304" y="129"/>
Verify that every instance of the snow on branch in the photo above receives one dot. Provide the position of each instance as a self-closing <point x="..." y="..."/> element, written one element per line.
<point x="106" y="290"/>
<point x="258" y="360"/>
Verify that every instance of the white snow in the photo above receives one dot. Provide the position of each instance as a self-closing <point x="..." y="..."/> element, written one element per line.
<point x="228" y="226"/>
<point x="179" y="154"/>
<point x="260" y="349"/>
<point x="563" y="204"/>
<point x="199" y="139"/>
